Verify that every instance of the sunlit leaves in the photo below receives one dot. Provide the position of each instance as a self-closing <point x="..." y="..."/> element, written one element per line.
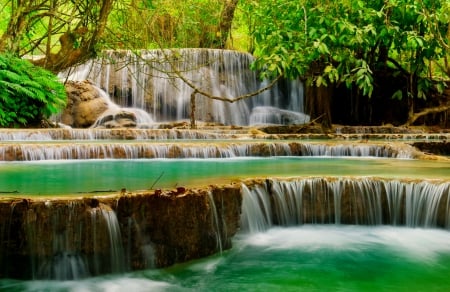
<point x="347" y="41"/>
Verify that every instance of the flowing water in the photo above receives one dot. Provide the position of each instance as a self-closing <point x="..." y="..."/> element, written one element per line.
<point x="148" y="81"/>
<point x="287" y="255"/>
<point x="302" y="258"/>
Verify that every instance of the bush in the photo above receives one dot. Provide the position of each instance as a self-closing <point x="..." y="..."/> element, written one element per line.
<point x="28" y="93"/>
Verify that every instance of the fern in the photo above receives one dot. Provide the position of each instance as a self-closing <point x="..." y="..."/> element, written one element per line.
<point x="27" y="93"/>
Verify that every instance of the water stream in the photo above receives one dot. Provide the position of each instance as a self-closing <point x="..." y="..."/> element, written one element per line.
<point x="316" y="215"/>
<point x="148" y="80"/>
<point x="306" y="258"/>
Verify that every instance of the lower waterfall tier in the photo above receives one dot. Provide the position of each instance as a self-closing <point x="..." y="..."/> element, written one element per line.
<point x="81" y="237"/>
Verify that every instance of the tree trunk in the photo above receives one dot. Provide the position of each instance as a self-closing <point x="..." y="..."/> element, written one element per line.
<point x="79" y="28"/>
<point x="318" y="102"/>
<point x="218" y="36"/>
<point x="79" y="45"/>
<point x="226" y="19"/>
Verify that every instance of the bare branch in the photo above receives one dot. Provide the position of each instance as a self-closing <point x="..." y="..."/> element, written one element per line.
<point x="431" y="110"/>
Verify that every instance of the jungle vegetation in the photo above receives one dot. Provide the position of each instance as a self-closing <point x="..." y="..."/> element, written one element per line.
<point x="364" y="62"/>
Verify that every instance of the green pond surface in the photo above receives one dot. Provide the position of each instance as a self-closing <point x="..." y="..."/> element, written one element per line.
<point x="94" y="176"/>
<point x="303" y="258"/>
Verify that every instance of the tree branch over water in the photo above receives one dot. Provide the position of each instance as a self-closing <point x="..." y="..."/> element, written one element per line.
<point x="198" y="90"/>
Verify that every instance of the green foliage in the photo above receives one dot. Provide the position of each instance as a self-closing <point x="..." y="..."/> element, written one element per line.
<point x="332" y="42"/>
<point x="27" y="93"/>
<point x="166" y="23"/>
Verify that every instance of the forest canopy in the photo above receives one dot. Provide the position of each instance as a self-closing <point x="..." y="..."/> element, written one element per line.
<point x="330" y="44"/>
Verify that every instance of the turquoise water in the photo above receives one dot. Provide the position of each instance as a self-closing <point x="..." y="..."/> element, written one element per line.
<point x="305" y="258"/>
<point x="85" y="176"/>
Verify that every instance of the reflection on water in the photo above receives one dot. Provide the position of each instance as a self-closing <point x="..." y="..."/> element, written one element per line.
<point x="83" y="176"/>
<point x="307" y="258"/>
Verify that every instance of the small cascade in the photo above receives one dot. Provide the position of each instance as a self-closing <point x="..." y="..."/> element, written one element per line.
<point x="256" y="209"/>
<point x="59" y="258"/>
<point x="357" y="150"/>
<point x="215" y="221"/>
<point x="117" y="116"/>
<point x="60" y="240"/>
<point x="64" y="266"/>
<point x="59" y="134"/>
<point x="109" y="258"/>
<point x="136" y="150"/>
<point x="149" y="80"/>
<point x="347" y="201"/>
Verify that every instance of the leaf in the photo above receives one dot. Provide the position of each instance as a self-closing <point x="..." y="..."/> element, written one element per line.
<point x="328" y="69"/>
<point x="397" y="95"/>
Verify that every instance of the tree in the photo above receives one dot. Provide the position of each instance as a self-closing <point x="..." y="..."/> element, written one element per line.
<point x="27" y="93"/>
<point x="65" y="33"/>
<point x="172" y="24"/>
<point x="354" y="43"/>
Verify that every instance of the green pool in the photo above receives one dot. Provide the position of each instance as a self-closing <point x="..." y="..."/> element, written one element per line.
<point x="92" y="176"/>
<point x="304" y="258"/>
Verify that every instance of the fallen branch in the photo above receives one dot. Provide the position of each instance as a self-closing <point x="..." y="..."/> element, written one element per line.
<point x="431" y="110"/>
<point x="159" y="177"/>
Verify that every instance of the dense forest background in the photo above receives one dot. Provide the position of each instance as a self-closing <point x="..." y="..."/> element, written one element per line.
<point x="363" y="62"/>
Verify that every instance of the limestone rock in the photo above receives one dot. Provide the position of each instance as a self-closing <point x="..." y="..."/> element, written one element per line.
<point x="116" y="119"/>
<point x="84" y="105"/>
<point x="273" y="115"/>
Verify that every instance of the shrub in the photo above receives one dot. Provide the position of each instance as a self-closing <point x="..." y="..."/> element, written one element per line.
<point x="27" y="93"/>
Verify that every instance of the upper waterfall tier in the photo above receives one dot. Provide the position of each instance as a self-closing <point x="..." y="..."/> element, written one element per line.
<point x="161" y="82"/>
<point x="181" y="132"/>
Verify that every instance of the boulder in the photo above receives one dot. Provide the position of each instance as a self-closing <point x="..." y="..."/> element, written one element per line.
<point x="116" y="119"/>
<point x="85" y="104"/>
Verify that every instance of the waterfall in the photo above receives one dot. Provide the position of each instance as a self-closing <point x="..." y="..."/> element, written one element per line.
<point x="75" y="244"/>
<point x="150" y="80"/>
<point x="256" y="213"/>
<point x="215" y="221"/>
<point x="62" y="260"/>
<point x="107" y="240"/>
<point x="348" y="201"/>
<point x="135" y="150"/>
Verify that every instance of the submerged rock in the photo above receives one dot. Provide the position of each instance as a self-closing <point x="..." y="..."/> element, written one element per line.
<point x="273" y="115"/>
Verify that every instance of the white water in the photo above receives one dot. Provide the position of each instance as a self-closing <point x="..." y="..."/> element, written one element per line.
<point x="149" y="81"/>
<point x="416" y="244"/>
<point x="215" y="221"/>
<point x="111" y="260"/>
<point x="413" y="204"/>
<point x="306" y="258"/>
<point x="136" y="150"/>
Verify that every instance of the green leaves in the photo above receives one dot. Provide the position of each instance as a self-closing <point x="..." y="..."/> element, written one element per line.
<point x="27" y="93"/>
<point x="350" y="41"/>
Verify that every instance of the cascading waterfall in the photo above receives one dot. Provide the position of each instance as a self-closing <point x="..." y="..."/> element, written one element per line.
<point x="135" y="150"/>
<point x="111" y="257"/>
<point x="150" y="80"/>
<point x="348" y="201"/>
<point x="142" y="117"/>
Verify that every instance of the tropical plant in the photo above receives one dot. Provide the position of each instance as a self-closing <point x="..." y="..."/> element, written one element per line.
<point x="354" y="42"/>
<point x="27" y="93"/>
